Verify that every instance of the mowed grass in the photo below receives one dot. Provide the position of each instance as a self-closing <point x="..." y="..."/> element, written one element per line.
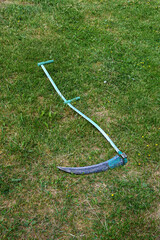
<point x="106" y="52"/>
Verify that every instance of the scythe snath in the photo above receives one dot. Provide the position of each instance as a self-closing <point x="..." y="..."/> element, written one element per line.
<point x="118" y="160"/>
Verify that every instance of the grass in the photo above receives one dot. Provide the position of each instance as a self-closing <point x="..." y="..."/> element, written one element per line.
<point x="106" y="52"/>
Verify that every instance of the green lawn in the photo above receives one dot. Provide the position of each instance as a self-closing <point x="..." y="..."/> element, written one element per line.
<point x="106" y="52"/>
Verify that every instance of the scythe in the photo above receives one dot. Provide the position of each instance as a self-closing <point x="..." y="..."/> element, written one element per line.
<point x="118" y="160"/>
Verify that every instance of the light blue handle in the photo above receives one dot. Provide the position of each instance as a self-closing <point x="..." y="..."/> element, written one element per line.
<point x="43" y="63"/>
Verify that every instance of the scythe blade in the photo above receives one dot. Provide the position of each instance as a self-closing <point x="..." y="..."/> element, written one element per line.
<point x="101" y="167"/>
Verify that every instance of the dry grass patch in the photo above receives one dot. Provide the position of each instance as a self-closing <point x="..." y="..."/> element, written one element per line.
<point x="9" y="160"/>
<point x="17" y="2"/>
<point x="7" y="203"/>
<point x="102" y="113"/>
<point x="62" y="160"/>
<point x="44" y="32"/>
<point x="133" y="174"/>
<point x="41" y="100"/>
<point x="154" y="180"/>
<point x="97" y="66"/>
<point x="156" y="213"/>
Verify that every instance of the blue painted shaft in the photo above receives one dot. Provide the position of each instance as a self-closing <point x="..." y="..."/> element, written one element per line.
<point x="53" y="84"/>
<point x="80" y="113"/>
<point x="96" y="126"/>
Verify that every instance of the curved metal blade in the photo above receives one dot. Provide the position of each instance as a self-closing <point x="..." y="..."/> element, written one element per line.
<point x="101" y="167"/>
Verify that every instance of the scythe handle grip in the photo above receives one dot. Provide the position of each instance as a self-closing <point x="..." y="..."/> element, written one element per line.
<point x="43" y="63"/>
